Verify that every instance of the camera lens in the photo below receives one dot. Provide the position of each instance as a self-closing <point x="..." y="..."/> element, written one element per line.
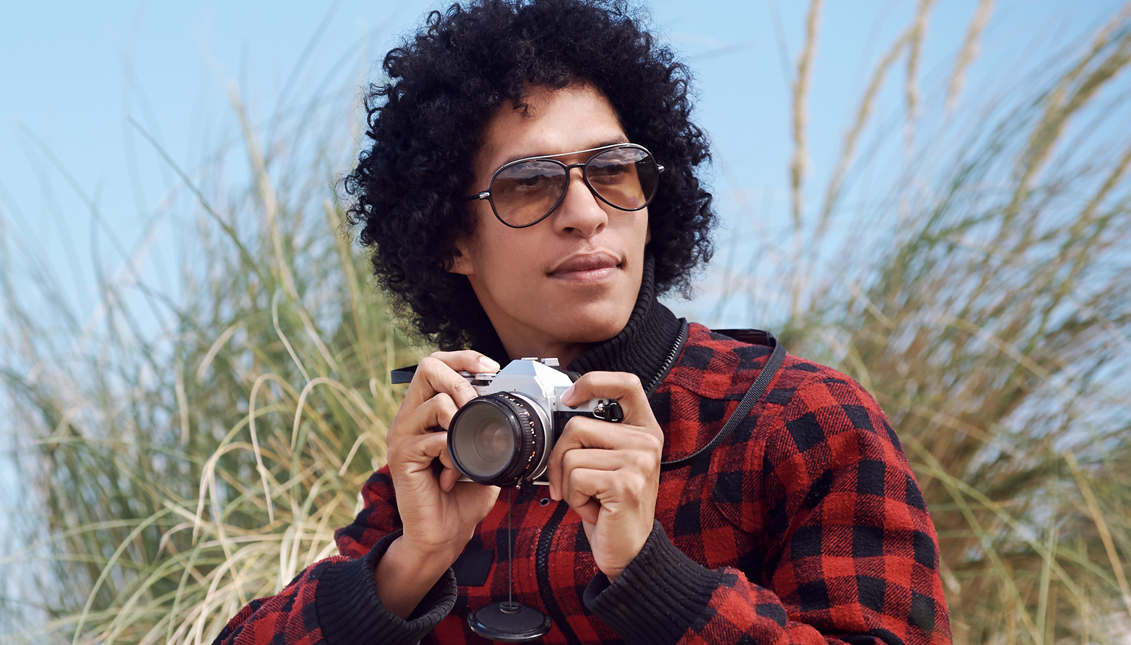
<point x="496" y="439"/>
<point x="487" y="443"/>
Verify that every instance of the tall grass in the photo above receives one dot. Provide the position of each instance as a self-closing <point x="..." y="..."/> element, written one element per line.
<point x="174" y="476"/>
<point x="986" y="301"/>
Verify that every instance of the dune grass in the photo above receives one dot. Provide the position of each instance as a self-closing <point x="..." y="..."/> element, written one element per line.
<point x="173" y="477"/>
<point x="986" y="302"/>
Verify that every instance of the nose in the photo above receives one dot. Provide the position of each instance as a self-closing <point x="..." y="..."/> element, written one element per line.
<point x="581" y="212"/>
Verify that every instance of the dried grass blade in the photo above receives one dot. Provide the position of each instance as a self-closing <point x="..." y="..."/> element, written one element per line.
<point x="801" y="84"/>
<point x="971" y="47"/>
<point x="1102" y="528"/>
<point x="915" y="39"/>
<point x="283" y="337"/>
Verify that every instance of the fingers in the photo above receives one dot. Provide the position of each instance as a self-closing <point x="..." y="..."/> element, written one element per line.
<point x="622" y="386"/>
<point x="414" y="443"/>
<point x="435" y="395"/>
<point x="436" y="412"/>
<point x="605" y="446"/>
<point x="437" y="378"/>
<point x="591" y="489"/>
<point x="448" y="478"/>
<point x="631" y="473"/>
<point x="416" y="454"/>
<point x="419" y="454"/>
<point x="439" y="373"/>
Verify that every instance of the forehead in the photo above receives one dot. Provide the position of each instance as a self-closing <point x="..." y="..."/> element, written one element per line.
<point x="576" y="117"/>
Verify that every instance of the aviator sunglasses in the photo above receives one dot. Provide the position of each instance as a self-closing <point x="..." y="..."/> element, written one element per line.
<point x="525" y="191"/>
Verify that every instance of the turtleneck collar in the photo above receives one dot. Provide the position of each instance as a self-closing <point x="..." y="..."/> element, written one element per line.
<point x="641" y="348"/>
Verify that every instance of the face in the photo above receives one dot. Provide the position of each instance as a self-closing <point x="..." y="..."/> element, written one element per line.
<point x="572" y="279"/>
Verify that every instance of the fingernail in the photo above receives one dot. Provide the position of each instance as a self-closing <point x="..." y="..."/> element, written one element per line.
<point x="488" y="364"/>
<point x="567" y="396"/>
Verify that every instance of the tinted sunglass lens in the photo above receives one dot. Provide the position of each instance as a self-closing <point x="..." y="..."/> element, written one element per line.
<point x="624" y="177"/>
<point x="525" y="192"/>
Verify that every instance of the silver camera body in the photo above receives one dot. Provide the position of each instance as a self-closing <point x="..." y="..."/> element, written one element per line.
<point x="504" y="436"/>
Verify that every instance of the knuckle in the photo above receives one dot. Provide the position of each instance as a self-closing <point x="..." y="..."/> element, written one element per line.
<point x="642" y="462"/>
<point x="569" y="428"/>
<point x="576" y="497"/>
<point x="443" y="407"/>
<point x="429" y="364"/>
<point x="394" y="452"/>
<point x="652" y="443"/>
<point x="635" y="484"/>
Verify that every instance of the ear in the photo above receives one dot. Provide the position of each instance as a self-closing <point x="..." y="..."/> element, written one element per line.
<point x="460" y="261"/>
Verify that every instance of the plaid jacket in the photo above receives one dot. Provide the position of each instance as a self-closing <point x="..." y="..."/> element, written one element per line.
<point x="805" y="525"/>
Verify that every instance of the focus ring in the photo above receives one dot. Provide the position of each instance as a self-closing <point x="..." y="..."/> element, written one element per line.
<point x="527" y="432"/>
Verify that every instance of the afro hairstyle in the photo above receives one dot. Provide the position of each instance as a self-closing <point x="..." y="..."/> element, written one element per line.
<point x="425" y="121"/>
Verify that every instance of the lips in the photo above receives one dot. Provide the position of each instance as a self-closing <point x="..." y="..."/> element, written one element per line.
<point x="584" y="263"/>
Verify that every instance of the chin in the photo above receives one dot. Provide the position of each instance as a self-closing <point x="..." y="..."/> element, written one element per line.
<point x="594" y="329"/>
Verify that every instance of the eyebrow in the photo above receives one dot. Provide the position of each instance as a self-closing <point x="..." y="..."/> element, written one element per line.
<point x="608" y="142"/>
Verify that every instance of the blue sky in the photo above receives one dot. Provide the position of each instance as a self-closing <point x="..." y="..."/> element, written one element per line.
<point x="74" y="74"/>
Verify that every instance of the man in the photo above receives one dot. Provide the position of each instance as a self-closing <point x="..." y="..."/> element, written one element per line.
<point x="501" y="216"/>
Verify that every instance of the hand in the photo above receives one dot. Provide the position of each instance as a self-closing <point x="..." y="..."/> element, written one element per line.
<point x="439" y="514"/>
<point x="609" y="473"/>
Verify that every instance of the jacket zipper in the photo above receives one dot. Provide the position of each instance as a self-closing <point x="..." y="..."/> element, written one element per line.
<point x="680" y="340"/>
<point x="542" y="570"/>
<point x="546" y="538"/>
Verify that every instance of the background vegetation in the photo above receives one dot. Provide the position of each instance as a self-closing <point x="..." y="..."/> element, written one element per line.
<point x="983" y="298"/>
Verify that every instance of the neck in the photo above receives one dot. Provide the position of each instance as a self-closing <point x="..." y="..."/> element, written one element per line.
<point x="640" y="348"/>
<point x="564" y="352"/>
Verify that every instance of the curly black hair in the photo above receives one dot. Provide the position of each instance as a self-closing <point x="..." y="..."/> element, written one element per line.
<point x="426" y="124"/>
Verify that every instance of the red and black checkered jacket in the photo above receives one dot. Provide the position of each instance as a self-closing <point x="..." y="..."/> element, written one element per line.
<point x="805" y="525"/>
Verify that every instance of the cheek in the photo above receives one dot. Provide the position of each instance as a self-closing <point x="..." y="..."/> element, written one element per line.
<point x="510" y="262"/>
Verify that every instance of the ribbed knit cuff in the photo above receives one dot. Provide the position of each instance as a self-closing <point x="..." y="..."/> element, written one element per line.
<point x="350" y="611"/>
<point x="659" y="595"/>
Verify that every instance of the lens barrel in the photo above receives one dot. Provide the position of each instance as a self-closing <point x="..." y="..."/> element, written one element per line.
<point x="498" y="439"/>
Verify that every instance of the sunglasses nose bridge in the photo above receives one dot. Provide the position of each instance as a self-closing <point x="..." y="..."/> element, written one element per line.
<point x="569" y="177"/>
<point x="580" y="209"/>
<point x="567" y="185"/>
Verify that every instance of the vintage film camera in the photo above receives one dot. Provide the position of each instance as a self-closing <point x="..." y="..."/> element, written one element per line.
<point x="504" y="436"/>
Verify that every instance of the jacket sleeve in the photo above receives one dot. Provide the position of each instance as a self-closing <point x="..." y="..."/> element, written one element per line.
<point x="335" y="600"/>
<point x="849" y="553"/>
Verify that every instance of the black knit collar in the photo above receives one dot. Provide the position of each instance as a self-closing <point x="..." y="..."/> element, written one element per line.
<point x="641" y="348"/>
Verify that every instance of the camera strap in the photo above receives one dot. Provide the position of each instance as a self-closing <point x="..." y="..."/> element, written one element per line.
<point x="402" y="375"/>
<point x="757" y="388"/>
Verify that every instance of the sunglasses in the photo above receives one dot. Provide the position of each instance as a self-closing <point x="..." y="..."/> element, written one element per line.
<point x="525" y="191"/>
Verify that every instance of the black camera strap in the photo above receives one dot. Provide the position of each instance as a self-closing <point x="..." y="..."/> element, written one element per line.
<point x="402" y="375"/>
<point x="757" y="388"/>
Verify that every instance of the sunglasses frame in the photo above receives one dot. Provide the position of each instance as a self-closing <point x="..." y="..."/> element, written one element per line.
<point x="486" y="194"/>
